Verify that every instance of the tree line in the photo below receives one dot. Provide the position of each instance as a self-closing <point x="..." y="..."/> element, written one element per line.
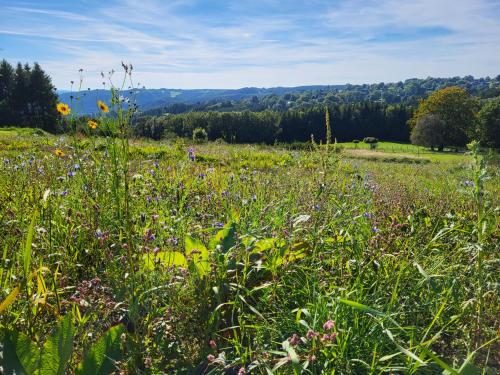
<point x="27" y="97"/>
<point x="349" y="121"/>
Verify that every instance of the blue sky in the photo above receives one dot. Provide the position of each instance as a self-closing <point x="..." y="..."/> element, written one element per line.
<point x="231" y="44"/>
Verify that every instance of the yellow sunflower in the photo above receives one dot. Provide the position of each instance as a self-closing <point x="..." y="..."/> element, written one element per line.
<point x="59" y="152"/>
<point x="63" y="109"/>
<point x="102" y="106"/>
<point x="92" y="124"/>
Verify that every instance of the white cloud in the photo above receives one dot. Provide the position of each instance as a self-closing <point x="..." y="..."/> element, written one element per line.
<point x="172" y="48"/>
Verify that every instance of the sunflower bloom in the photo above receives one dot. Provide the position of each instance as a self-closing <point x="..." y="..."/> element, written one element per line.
<point x="63" y="109"/>
<point x="59" y="152"/>
<point x="102" y="106"/>
<point x="92" y="124"/>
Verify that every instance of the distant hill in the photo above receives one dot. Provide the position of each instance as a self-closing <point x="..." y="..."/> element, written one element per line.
<point x="159" y="101"/>
<point x="154" y="98"/>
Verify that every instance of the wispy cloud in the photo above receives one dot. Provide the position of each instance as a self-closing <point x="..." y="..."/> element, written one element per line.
<point x="193" y="43"/>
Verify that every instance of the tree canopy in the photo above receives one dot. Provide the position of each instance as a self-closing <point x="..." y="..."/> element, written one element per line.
<point x="27" y="97"/>
<point x="488" y="128"/>
<point x="456" y="109"/>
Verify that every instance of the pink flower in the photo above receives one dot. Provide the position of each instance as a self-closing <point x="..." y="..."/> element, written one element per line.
<point x="242" y="371"/>
<point x="325" y="337"/>
<point x="328" y="325"/>
<point x="212" y="344"/>
<point x="294" y="339"/>
<point x="211" y="357"/>
<point x="311" y="334"/>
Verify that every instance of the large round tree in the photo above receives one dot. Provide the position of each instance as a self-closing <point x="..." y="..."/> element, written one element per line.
<point x="455" y="108"/>
<point x="488" y="127"/>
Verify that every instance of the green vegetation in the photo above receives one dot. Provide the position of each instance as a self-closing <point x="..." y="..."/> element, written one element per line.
<point x="132" y="256"/>
<point x="214" y="257"/>
<point x="27" y="97"/>
<point x="160" y="101"/>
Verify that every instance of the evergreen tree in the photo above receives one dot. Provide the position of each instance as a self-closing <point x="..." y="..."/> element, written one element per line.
<point x="18" y="102"/>
<point x="27" y="97"/>
<point x="6" y="85"/>
<point x="43" y="100"/>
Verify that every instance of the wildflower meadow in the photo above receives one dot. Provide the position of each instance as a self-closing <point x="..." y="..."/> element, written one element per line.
<point x="131" y="256"/>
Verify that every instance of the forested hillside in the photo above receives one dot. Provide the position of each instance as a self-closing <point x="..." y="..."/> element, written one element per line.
<point x="159" y="101"/>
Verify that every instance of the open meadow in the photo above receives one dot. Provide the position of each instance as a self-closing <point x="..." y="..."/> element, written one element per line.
<point x="174" y="257"/>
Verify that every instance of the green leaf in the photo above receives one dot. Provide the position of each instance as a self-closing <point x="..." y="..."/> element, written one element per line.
<point x="167" y="258"/>
<point x="56" y="351"/>
<point x="226" y="237"/>
<point x="27" y="246"/>
<point x="360" y="306"/>
<point x="101" y="358"/>
<point x="20" y="355"/>
<point x="198" y="252"/>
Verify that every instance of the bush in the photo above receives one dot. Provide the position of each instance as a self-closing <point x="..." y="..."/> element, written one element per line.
<point x="370" y="140"/>
<point x="355" y="141"/>
<point x="200" y="135"/>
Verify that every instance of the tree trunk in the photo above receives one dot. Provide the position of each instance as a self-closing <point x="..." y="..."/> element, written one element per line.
<point x="441" y="148"/>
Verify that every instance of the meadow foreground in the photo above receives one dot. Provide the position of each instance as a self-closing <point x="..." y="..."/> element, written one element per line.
<point x="236" y="259"/>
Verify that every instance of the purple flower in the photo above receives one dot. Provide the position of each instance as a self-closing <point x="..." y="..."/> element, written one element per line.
<point x="367" y="215"/>
<point x="375" y="229"/>
<point x="219" y="225"/>
<point x="191" y="154"/>
<point x="63" y="193"/>
<point x="153" y="172"/>
<point x="71" y="174"/>
<point x="76" y="167"/>
<point x="98" y="233"/>
<point x="468" y="183"/>
<point x="156" y="164"/>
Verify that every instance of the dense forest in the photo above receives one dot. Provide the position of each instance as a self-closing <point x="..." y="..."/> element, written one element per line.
<point x="27" y="97"/>
<point x="349" y="121"/>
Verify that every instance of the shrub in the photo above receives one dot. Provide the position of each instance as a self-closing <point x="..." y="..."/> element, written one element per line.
<point x="200" y="135"/>
<point x="355" y="141"/>
<point x="370" y="140"/>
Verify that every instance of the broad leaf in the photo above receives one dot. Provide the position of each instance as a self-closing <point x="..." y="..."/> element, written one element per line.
<point x="226" y="237"/>
<point x="101" y="358"/>
<point x="20" y="355"/>
<point x="56" y="351"/>
<point x="198" y="252"/>
<point x="166" y="258"/>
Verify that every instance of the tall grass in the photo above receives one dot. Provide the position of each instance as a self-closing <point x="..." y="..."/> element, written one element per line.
<point x="231" y="259"/>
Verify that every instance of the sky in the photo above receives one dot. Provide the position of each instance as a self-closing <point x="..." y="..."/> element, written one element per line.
<point x="251" y="43"/>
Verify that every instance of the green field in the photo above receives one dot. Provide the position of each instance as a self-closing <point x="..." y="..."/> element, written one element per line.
<point x="242" y="256"/>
